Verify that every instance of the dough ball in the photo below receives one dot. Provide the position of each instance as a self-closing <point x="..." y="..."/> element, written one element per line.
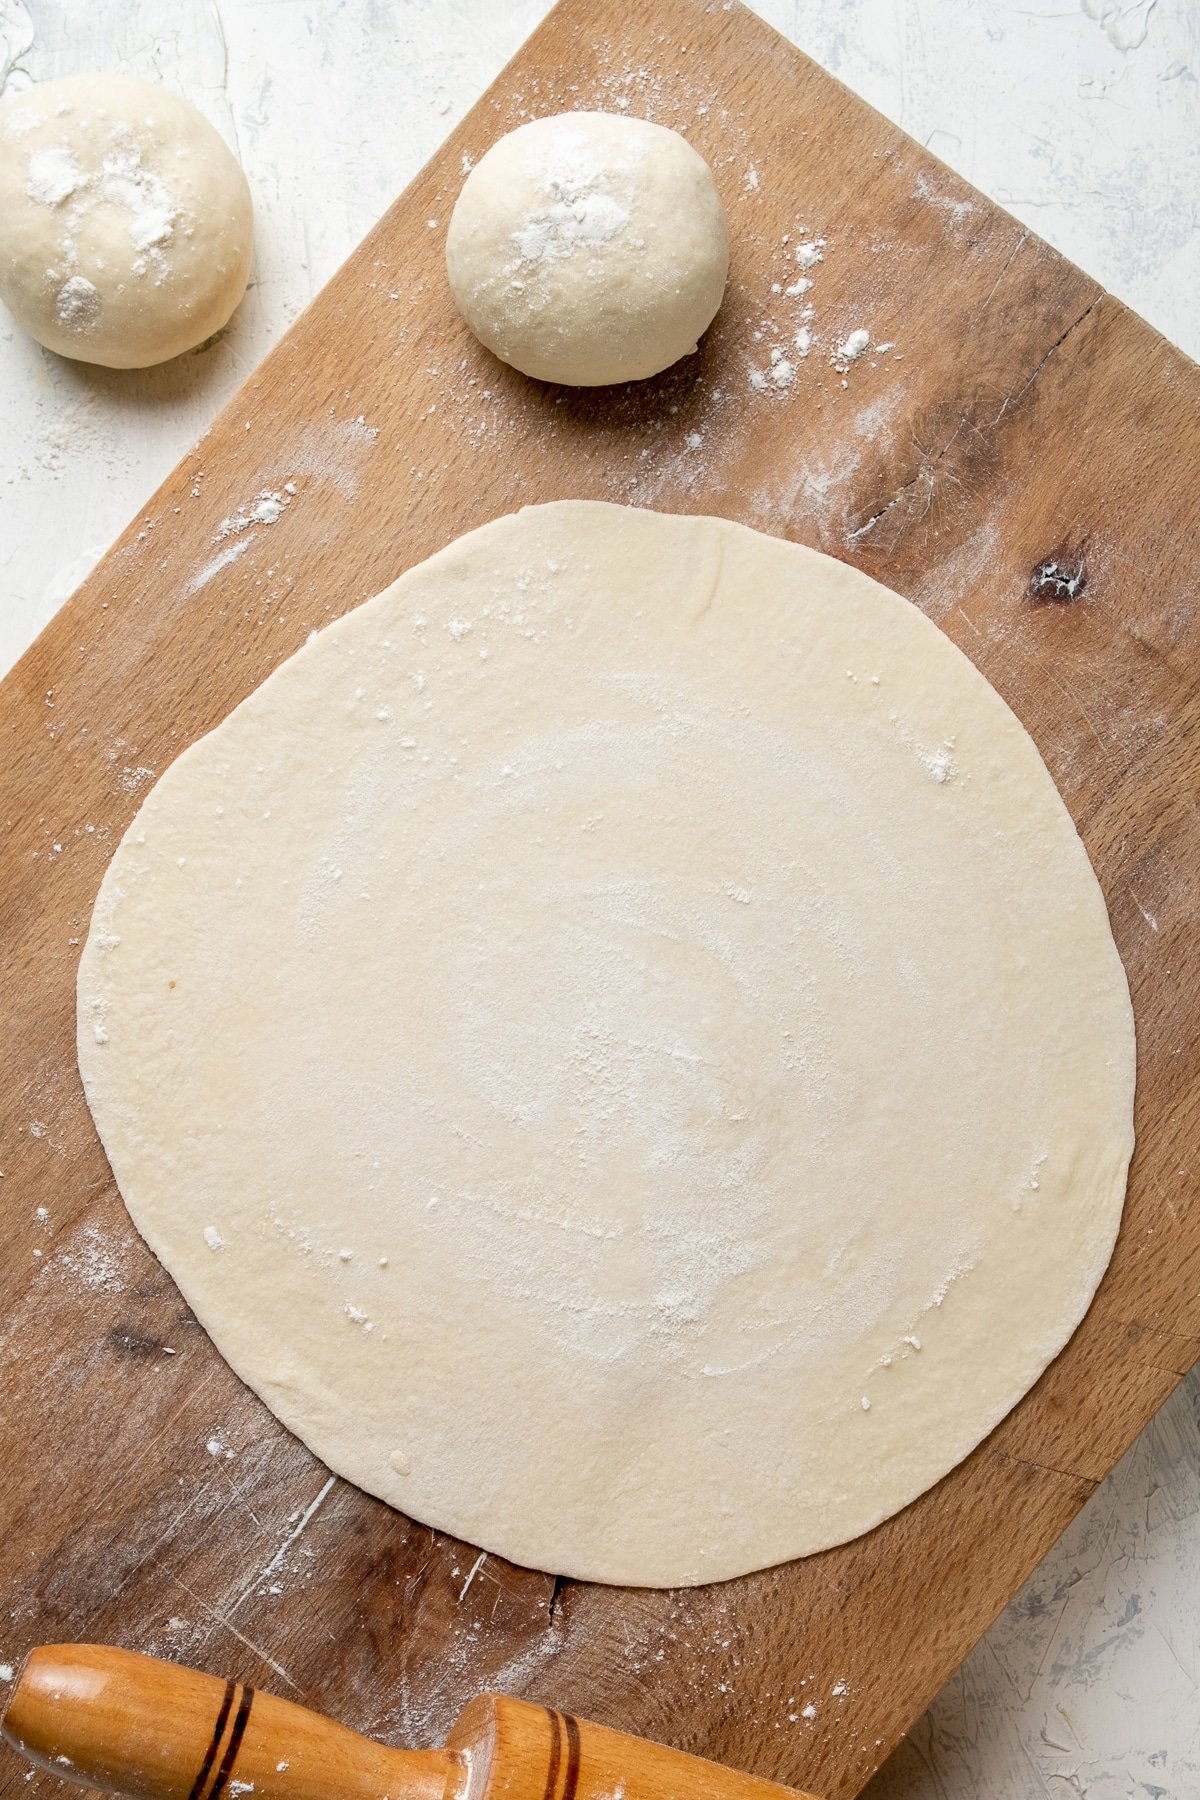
<point x="589" y="248"/>
<point x="125" y="221"/>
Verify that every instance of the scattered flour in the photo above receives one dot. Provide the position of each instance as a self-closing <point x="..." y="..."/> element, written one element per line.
<point x="130" y="779"/>
<point x="330" y="450"/>
<point x="92" y="1260"/>
<point x="938" y="764"/>
<point x="265" y="510"/>
<point x="792" y="340"/>
<point x="957" y="210"/>
<point x="203" y="576"/>
<point x="782" y="372"/>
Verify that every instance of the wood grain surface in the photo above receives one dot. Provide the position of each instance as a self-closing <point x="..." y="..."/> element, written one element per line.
<point x="1022" y="465"/>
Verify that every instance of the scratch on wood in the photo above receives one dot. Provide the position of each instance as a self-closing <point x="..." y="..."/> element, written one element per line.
<point x="1031" y="1462"/>
<point x="238" y="1498"/>
<point x="1074" y="700"/>
<point x="1008" y="262"/>
<point x="302" y="1523"/>
<point x="472" y="1573"/>
<point x="1149" y="917"/>
<point x="224" y="1620"/>
<point x="1180" y="1351"/>
<point x="264" y="1574"/>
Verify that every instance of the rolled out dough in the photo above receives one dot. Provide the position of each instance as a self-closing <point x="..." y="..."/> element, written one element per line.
<point x="620" y="1043"/>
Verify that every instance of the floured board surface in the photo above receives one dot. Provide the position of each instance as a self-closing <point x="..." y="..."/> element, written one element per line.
<point x="1021" y="464"/>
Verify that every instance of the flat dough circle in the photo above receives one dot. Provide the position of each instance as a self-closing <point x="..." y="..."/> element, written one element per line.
<point x="620" y="1043"/>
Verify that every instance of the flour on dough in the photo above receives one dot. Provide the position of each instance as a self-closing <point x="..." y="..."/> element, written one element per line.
<point x="620" y="1043"/>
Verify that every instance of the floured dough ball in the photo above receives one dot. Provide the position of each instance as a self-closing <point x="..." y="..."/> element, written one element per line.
<point x="589" y="248"/>
<point x="125" y="221"/>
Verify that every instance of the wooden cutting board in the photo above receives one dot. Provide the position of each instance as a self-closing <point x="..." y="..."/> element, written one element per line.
<point x="1022" y="465"/>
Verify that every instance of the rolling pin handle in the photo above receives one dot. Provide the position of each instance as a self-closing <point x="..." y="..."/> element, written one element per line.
<point x="150" y="1730"/>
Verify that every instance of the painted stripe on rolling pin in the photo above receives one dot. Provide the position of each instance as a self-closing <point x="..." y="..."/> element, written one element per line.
<point x="214" y="1741"/>
<point x="572" y="1781"/>
<point x="555" y="1755"/>
<point x="235" y="1742"/>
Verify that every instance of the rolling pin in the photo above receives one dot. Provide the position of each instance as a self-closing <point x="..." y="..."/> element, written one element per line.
<point x="151" y="1730"/>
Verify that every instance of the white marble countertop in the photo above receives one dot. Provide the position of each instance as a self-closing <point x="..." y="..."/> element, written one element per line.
<point x="1083" y="118"/>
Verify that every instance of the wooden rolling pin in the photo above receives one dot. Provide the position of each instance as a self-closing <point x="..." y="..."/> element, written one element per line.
<point x="150" y="1730"/>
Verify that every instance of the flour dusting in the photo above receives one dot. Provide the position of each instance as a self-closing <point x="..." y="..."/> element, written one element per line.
<point x="91" y="1260"/>
<point x="203" y="576"/>
<point x="51" y="174"/>
<point x="123" y="184"/>
<point x="853" y="345"/>
<point x="585" y="197"/>
<point x="266" y="509"/>
<point x="78" y="304"/>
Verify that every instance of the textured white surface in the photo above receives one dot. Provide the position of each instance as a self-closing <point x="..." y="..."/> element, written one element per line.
<point x="1081" y="116"/>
